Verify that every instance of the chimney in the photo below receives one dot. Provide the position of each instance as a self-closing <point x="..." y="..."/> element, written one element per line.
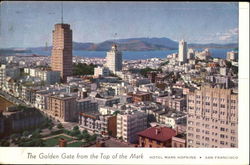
<point x="177" y="130"/>
<point x="157" y="131"/>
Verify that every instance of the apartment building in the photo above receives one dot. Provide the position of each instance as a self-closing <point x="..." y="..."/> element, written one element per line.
<point x="129" y="123"/>
<point x="62" y="107"/>
<point x="212" y="118"/>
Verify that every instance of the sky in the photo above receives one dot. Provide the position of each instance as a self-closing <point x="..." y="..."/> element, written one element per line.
<point x="30" y="24"/>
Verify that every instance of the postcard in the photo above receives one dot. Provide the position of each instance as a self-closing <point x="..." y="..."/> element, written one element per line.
<point x="124" y="82"/>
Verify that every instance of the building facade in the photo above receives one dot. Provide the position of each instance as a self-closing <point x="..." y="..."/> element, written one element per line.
<point x="61" y="59"/>
<point x="157" y="137"/>
<point x="182" y="55"/>
<point x="62" y="107"/>
<point x="101" y="71"/>
<point x="114" y="59"/>
<point x="212" y="118"/>
<point x="129" y="124"/>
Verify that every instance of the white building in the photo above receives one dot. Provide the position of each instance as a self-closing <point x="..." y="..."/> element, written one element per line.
<point x="8" y="71"/>
<point x="182" y="55"/>
<point x="190" y="54"/>
<point x="101" y="71"/>
<point x="114" y="59"/>
<point x="223" y="71"/>
<point x="48" y="76"/>
<point x="204" y="55"/>
<point x="129" y="124"/>
<point x="232" y="56"/>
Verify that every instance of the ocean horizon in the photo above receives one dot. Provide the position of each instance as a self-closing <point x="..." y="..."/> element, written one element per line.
<point x="135" y="55"/>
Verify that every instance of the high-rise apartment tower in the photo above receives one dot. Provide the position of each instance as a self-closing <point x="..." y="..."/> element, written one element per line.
<point x="212" y="118"/>
<point x="61" y="59"/>
<point x="182" y="55"/>
<point x="114" y="59"/>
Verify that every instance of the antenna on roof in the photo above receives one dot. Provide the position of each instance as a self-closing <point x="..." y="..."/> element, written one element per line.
<point x="115" y="35"/>
<point x="62" y="12"/>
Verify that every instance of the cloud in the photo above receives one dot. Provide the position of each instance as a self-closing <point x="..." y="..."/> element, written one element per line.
<point x="230" y="35"/>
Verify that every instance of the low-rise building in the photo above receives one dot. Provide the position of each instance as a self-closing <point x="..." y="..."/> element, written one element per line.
<point x="62" y="107"/>
<point x="18" y="120"/>
<point x="141" y="96"/>
<point x="101" y="71"/>
<point x="156" y="137"/>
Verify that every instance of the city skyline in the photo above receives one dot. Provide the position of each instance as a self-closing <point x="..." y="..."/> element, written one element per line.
<point x="98" y="21"/>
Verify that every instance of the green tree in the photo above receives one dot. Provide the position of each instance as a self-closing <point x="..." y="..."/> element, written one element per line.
<point x="60" y="126"/>
<point x="76" y="128"/>
<point x="84" y="132"/>
<point x="26" y="133"/>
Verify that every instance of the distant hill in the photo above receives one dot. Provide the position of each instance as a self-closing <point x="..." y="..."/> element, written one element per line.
<point x="135" y="44"/>
<point x="212" y="45"/>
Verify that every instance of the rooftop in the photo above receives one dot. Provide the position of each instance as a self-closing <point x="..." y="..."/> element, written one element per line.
<point x="158" y="133"/>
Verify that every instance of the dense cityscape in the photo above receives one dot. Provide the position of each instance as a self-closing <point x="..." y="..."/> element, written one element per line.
<point x="188" y="99"/>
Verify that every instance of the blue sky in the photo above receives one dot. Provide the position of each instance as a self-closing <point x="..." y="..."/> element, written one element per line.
<point x="30" y="24"/>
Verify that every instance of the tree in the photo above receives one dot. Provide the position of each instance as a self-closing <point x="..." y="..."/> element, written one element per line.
<point x="86" y="137"/>
<point x="79" y="137"/>
<point x="116" y="112"/>
<point x="4" y="143"/>
<point x="60" y="126"/>
<point x="83" y="69"/>
<point x="84" y="132"/>
<point x="26" y="133"/>
<point x="13" y="136"/>
<point x="93" y="137"/>
<point x="50" y="127"/>
<point x="76" y="128"/>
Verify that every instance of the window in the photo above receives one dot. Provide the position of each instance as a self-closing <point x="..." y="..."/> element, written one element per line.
<point x="222" y="142"/>
<point x="233" y="138"/>
<point x="222" y="106"/>
<point x="222" y="136"/>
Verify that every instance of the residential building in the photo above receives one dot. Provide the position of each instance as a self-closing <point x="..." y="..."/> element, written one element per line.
<point x="62" y="107"/>
<point x="212" y="118"/>
<point x="141" y="96"/>
<point x="18" y="120"/>
<point x="114" y="59"/>
<point x="190" y="54"/>
<point x="159" y="137"/>
<point x="232" y="56"/>
<point x="101" y="71"/>
<point x="97" y="123"/>
<point x="129" y="123"/>
<point x="61" y="59"/>
<point x="48" y="76"/>
<point x="182" y="54"/>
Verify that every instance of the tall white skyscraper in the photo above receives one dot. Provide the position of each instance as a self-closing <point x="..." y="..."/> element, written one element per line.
<point x="182" y="55"/>
<point x="114" y="59"/>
